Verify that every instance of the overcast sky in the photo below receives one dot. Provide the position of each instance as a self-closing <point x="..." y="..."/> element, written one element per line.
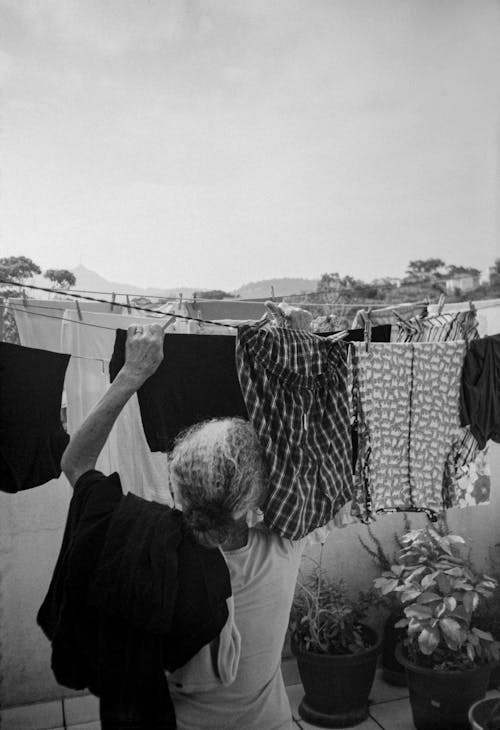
<point x="214" y="142"/>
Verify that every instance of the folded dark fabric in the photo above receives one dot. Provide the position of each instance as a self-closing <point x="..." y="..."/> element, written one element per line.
<point x="32" y="439"/>
<point x="117" y="611"/>
<point x="197" y="380"/>
<point x="480" y="390"/>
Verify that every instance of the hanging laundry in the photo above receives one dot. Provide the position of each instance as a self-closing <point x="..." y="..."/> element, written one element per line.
<point x="197" y="380"/>
<point x="39" y="320"/>
<point x="488" y="313"/>
<point x="386" y="315"/>
<point x="87" y="379"/>
<point x="471" y="483"/>
<point x="295" y="388"/>
<point x="381" y="333"/>
<point x="447" y="327"/>
<point x="32" y="439"/>
<point x="194" y="327"/>
<point x="113" y="624"/>
<point x="467" y="480"/>
<point x="480" y="392"/>
<point x="406" y="405"/>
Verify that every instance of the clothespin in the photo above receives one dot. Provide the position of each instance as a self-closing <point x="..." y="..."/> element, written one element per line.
<point x="403" y="322"/>
<point x="79" y="311"/>
<point x="368" y="329"/>
<point x="129" y="309"/>
<point x="441" y="302"/>
<point x="113" y="300"/>
<point x="167" y="324"/>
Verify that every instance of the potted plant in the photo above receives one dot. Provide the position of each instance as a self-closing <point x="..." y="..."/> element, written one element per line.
<point x="485" y="714"/>
<point x="336" y="651"/>
<point x="447" y="658"/>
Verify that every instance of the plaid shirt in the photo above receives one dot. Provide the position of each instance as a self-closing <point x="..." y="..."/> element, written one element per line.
<point x="295" y="388"/>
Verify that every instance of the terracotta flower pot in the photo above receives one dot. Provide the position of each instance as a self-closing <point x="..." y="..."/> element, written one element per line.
<point x="337" y="686"/>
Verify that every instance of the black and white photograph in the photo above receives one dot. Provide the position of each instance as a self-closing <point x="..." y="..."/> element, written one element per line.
<point x="249" y="364"/>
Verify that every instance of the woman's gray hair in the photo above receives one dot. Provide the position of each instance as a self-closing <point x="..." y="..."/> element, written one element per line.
<point x="218" y="472"/>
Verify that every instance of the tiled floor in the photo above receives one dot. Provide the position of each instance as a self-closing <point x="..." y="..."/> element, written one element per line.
<point x="389" y="709"/>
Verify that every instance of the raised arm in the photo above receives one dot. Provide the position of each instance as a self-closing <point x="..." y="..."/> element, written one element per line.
<point x="143" y="355"/>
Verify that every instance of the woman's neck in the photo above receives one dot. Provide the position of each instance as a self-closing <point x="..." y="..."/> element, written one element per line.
<point x="238" y="539"/>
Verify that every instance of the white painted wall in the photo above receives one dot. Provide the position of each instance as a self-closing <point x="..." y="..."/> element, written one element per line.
<point x="31" y="528"/>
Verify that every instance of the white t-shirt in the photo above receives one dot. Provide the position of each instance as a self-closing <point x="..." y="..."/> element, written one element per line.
<point x="263" y="577"/>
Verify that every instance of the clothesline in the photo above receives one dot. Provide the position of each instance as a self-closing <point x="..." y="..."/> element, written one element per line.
<point x="49" y="316"/>
<point x="358" y="305"/>
<point x="106" y="301"/>
<point x="116" y="293"/>
<point x="201" y="299"/>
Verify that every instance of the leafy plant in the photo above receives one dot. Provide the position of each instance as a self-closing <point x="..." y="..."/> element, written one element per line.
<point x="324" y="619"/>
<point x="440" y="591"/>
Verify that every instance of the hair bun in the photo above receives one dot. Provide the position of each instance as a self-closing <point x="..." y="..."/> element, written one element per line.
<point x="210" y="517"/>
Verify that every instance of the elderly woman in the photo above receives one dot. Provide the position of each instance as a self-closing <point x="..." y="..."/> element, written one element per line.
<point x="218" y="478"/>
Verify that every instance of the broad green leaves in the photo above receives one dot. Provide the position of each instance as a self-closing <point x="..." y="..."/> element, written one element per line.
<point x="440" y="591"/>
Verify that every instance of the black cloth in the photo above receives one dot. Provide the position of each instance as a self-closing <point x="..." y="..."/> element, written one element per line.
<point x="480" y="390"/>
<point x="197" y="380"/>
<point x="132" y="594"/>
<point x="32" y="439"/>
<point x="381" y="333"/>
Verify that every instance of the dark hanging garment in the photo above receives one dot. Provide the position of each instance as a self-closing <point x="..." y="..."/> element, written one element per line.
<point x="480" y="391"/>
<point x="118" y="611"/>
<point x="32" y="439"/>
<point x="295" y="388"/>
<point x="197" y="380"/>
<point x="381" y="333"/>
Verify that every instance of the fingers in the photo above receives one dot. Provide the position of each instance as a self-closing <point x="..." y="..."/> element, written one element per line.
<point x="144" y="350"/>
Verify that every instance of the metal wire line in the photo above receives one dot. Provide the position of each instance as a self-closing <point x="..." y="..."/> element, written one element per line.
<point x="106" y="301"/>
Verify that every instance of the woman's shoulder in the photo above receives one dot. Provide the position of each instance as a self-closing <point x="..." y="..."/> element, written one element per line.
<point x="263" y="535"/>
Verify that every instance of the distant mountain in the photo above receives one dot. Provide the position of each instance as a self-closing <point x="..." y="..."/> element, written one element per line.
<point x="282" y="287"/>
<point x="92" y="281"/>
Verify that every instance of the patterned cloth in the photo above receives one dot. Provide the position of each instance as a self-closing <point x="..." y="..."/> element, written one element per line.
<point x="295" y="388"/>
<point x="406" y="405"/>
<point x="448" y="327"/>
<point x="467" y="481"/>
<point x="473" y="483"/>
